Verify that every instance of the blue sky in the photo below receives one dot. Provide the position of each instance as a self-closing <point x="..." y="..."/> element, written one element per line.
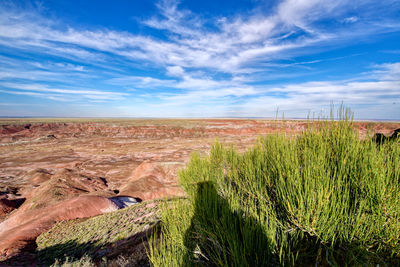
<point x="139" y="58"/>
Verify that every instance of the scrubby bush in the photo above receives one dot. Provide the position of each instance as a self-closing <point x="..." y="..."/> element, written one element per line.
<point x="324" y="197"/>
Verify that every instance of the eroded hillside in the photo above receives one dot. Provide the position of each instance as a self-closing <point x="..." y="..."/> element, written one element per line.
<point x="58" y="170"/>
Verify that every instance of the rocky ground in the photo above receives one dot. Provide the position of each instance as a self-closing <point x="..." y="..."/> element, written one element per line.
<point x="54" y="170"/>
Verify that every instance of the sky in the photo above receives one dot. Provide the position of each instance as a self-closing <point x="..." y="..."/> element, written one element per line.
<point x="211" y="58"/>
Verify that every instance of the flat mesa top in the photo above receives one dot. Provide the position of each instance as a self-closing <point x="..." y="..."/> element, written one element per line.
<point x="179" y="122"/>
<point x="130" y="121"/>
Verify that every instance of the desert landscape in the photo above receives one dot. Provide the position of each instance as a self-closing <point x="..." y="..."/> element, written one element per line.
<point x="55" y="170"/>
<point x="188" y="133"/>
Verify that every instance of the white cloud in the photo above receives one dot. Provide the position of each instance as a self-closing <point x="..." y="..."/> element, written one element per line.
<point x="387" y="71"/>
<point x="48" y="96"/>
<point x="237" y="43"/>
<point x="295" y="100"/>
<point x="352" y="19"/>
<point x="175" y="71"/>
<point x="141" y="82"/>
<point x="91" y="94"/>
<point x="301" y="13"/>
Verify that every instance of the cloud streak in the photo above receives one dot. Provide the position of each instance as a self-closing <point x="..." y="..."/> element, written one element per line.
<point x="236" y="42"/>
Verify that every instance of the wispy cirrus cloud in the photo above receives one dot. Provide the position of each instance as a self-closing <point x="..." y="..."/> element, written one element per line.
<point x="41" y="90"/>
<point x="378" y="88"/>
<point x="235" y="42"/>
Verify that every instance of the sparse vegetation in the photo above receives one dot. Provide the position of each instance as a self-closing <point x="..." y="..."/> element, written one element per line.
<point x="326" y="197"/>
<point x="104" y="238"/>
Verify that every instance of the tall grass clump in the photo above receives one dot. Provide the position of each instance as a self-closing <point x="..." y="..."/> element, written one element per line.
<point x="325" y="197"/>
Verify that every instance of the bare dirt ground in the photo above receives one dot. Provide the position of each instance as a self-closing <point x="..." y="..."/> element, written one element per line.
<point x="47" y="165"/>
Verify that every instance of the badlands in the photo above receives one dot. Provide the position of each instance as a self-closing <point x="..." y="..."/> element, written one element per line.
<point x="56" y="170"/>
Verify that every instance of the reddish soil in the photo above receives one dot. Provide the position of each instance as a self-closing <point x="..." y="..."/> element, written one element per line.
<point x="69" y="170"/>
<point x="20" y="231"/>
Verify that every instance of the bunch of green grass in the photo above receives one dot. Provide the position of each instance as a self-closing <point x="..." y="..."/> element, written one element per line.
<point x="324" y="197"/>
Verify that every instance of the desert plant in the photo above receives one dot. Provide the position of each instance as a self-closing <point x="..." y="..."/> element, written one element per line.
<point x="324" y="197"/>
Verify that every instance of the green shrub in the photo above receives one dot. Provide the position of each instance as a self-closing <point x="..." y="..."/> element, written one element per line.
<point x="325" y="197"/>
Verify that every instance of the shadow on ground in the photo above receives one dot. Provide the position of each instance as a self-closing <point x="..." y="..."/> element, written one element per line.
<point x="219" y="236"/>
<point x="132" y="250"/>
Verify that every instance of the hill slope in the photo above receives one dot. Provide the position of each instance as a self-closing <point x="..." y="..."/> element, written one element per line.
<point x="115" y="238"/>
